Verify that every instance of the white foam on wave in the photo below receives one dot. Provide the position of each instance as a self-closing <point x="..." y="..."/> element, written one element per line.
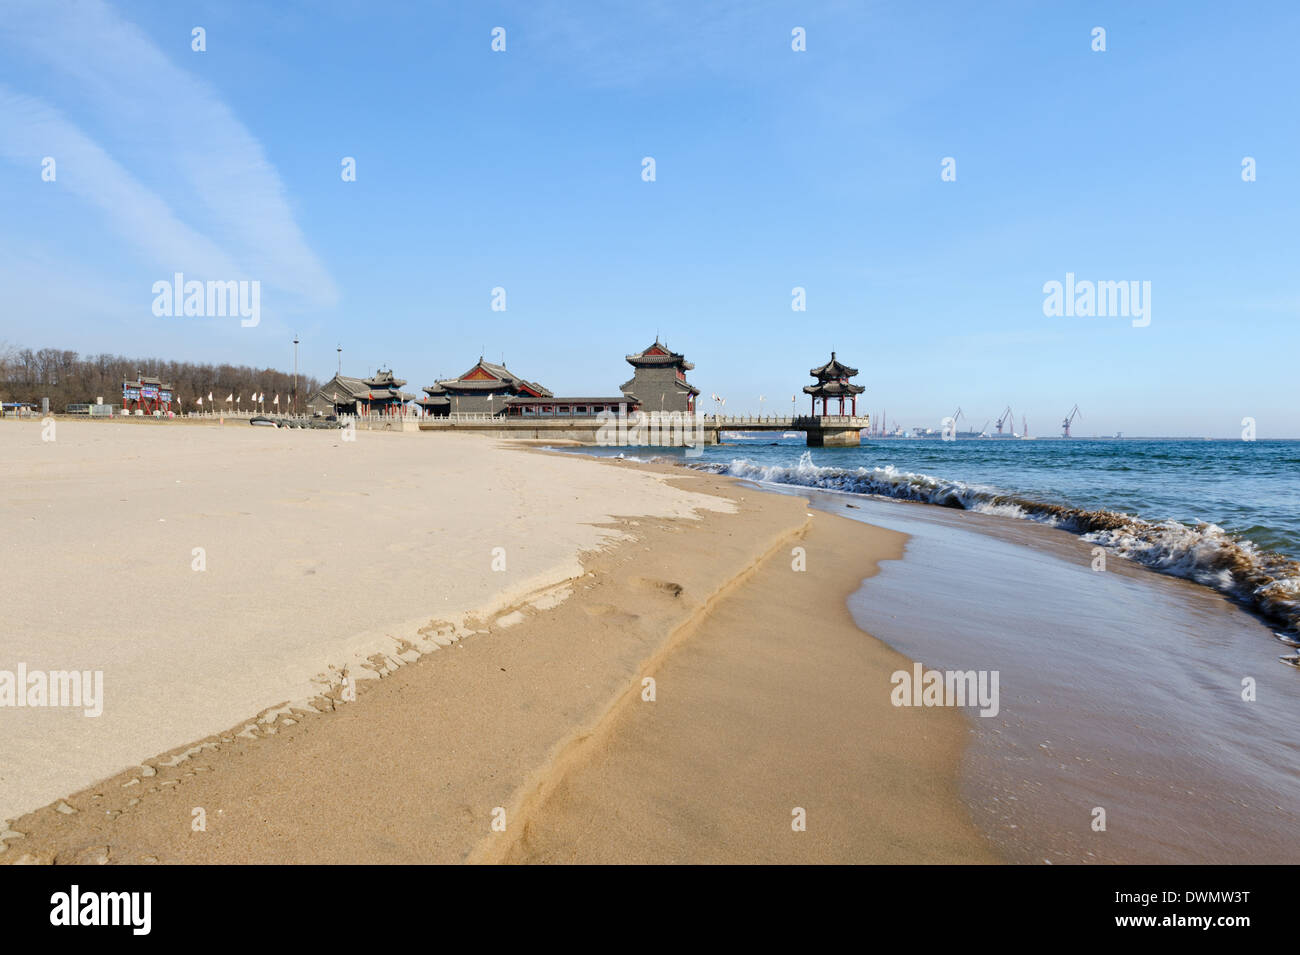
<point x="1267" y="582"/>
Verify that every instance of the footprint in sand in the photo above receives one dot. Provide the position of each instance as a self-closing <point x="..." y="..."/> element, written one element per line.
<point x="667" y="586"/>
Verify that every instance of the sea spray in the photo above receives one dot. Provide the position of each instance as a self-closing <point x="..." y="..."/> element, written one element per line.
<point x="1262" y="580"/>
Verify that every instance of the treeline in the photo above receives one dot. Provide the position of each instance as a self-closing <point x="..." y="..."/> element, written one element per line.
<point x="67" y="378"/>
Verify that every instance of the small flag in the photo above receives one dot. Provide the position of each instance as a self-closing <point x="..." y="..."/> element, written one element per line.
<point x="277" y="400"/>
<point x="200" y="399"/>
<point x="210" y="396"/>
<point x="230" y="397"/>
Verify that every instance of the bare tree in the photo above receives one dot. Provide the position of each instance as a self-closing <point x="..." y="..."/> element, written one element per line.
<point x="65" y="378"/>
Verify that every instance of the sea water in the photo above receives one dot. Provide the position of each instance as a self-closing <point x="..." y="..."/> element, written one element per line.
<point x="1225" y="514"/>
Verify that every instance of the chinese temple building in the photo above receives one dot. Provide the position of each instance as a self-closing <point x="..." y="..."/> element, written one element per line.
<point x="435" y="402"/>
<point x="659" y="380"/>
<point x="832" y="383"/>
<point x="342" y="394"/>
<point x="336" y="396"/>
<point x="484" y="389"/>
<point x="383" y="395"/>
<point x="147" y="395"/>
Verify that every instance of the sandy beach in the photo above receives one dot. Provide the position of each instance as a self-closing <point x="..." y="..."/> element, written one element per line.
<point x="498" y="713"/>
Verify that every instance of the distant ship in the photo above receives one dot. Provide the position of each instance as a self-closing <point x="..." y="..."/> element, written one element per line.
<point x="923" y="434"/>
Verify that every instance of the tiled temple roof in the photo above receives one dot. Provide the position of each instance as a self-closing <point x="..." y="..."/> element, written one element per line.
<point x="346" y="387"/>
<point x="680" y="384"/>
<point x="488" y="377"/>
<point x="384" y="394"/>
<point x="833" y="369"/>
<point x="659" y="354"/>
<point x="147" y="380"/>
<point x="833" y="389"/>
<point x="385" y="379"/>
<point x="345" y="390"/>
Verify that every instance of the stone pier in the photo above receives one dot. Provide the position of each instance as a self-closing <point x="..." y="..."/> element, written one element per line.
<point x="822" y="431"/>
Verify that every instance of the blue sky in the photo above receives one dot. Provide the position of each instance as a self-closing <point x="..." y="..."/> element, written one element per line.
<point x="775" y="169"/>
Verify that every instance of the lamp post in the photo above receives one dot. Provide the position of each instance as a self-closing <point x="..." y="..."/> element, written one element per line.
<point x="295" y="373"/>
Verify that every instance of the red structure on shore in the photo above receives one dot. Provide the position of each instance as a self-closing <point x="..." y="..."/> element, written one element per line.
<point x="147" y="395"/>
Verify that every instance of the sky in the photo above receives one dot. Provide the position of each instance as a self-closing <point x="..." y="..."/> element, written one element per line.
<point x="774" y="169"/>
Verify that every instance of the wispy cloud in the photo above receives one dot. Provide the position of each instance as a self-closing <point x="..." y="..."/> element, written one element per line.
<point x="31" y="130"/>
<point x="241" y="220"/>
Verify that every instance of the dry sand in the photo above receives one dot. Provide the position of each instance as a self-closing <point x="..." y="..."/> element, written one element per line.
<point x="319" y="553"/>
<point x="767" y="696"/>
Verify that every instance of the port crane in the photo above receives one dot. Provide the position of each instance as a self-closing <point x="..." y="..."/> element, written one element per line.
<point x="956" y="415"/>
<point x="1069" y="418"/>
<point x="1007" y="416"/>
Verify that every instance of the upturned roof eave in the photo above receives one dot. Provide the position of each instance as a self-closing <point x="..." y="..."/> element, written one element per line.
<point x="833" y="388"/>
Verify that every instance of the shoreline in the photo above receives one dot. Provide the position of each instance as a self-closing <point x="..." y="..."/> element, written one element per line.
<point x="413" y="770"/>
<point x="1142" y="693"/>
<point x="1132" y="691"/>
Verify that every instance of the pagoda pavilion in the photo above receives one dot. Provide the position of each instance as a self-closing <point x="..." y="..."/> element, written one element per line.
<point x="481" y="390"/>
<point x="833" y="382"/>
<point x="383" y="395"/>
<point x="343" y="394"/>
<point x="659" y="381"/>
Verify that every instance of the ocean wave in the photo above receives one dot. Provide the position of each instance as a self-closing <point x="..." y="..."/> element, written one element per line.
<point x="1265" y="581"/>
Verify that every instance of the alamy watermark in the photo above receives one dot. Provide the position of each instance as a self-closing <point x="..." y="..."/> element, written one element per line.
<point x="671" y="429"/>
<point x="83" y="689"/>
<point x="924" y="687"/>
<point x="127" y="909"/>
<point x="1086" y="299"/>
<point x="194" y="299"/>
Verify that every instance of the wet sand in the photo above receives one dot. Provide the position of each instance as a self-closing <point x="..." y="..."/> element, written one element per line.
<point x="772" y="707"/>
<point x="510" y="716"/>
<point x="1122" y="690"/>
